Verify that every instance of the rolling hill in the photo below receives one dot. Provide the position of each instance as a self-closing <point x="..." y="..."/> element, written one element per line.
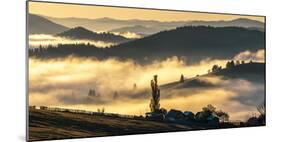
<point x="52" y="125"/>
<point x="252" y="72"/>
<point x="41" y="25"/>
<point x="83" y="33"/>
<point x="195" y="43"/>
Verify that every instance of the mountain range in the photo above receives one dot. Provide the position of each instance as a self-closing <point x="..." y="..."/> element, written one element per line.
<point x="192" y="42"/>
<point x="141" y="26"/>
<point x="157" y="27"/>
<point x="49" y="25"/>
<point x="40" y="25"/>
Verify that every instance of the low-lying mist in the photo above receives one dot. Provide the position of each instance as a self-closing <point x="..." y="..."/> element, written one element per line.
<point x="124" y="86"/>
<point x="35" y="40"/>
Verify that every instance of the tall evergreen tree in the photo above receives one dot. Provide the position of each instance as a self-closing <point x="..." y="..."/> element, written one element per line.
<point x="154" y="103"/>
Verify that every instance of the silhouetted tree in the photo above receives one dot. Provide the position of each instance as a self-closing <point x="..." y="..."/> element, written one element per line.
<point x="92" y="92"/>
<point x="215" y="68"/>
<point x="209" y="108"/>
<point x="230" y="64"/>
<point x="115" y="95"/>
<point x="206" y="112"/>
<point x="237" y="62"/>
<point x="155" y="92"/>
<point x="223" y="116"/>
<point x="261" y="109"/>
<point x="163" y="111"/>
<point x="135" y="86"/>
<point x="209" y="114"/>
<point x="182" y="78"/>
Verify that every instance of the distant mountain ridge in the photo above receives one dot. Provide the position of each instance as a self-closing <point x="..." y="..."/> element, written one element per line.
<point x="192" y="43"/>
<point x="138" y="29"/>
<point x="152" y="29"/>
<point x="41" y="25"/>
<point x="240" y="22"/>
<point x="83" y="33"/>
<point x="110" y="24"/>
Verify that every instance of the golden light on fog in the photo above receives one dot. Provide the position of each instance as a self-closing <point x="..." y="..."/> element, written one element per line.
<point x="54" y="80"/>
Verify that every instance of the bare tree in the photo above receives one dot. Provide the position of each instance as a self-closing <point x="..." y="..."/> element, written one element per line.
<point x="261" y="109"/>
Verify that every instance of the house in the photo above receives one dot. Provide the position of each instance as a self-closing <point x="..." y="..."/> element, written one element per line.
<point x="213" y="120"/>
<point x="43" y="108"/>
<point x="32" y="107"/>
<point x="252" y="121"/>
<point x="189" y="116"/>
<point x="175" y="115"/>
<point x="154" y="116"/>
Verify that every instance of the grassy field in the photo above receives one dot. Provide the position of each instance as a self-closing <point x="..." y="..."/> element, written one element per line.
<point x="45" y="125"/>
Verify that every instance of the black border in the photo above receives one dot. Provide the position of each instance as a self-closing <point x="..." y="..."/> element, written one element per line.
<point x="115" y="6"/>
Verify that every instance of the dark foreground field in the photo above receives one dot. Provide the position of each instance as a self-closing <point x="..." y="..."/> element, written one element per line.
<point x="45" y="125"/>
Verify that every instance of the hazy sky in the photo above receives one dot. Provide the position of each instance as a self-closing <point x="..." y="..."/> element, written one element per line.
<point x="93" y="12"/>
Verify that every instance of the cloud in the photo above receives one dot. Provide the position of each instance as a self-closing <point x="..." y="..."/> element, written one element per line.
<point x="35" y="40"/>
<point x="248" y="55"/>
<point x="128" y="35"/>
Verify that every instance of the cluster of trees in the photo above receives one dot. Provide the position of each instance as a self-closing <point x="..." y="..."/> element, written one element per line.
<point x="229" y="65"/>
<point x="102" y="110"/>
<point x="210" y="113"/>
<point x="64" y="50"/>
<point x="92" y="93"/>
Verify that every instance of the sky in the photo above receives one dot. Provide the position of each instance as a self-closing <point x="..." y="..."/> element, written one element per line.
<point x="93" y="12"/>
